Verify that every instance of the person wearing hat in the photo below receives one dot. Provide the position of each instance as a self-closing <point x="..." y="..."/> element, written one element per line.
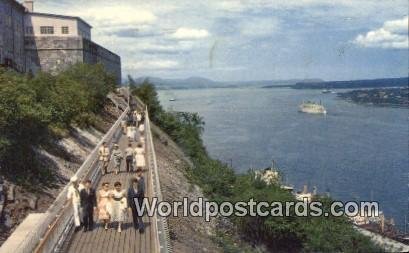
<point x="117" y="156"/>
<point x="104" y="157"/>
<point x="73" y="195"/>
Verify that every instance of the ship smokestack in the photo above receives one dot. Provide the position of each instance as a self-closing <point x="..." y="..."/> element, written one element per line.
<point x="29" y="5"/>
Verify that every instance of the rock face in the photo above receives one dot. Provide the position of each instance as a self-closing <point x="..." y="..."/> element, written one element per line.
<point x="187" y="234"/>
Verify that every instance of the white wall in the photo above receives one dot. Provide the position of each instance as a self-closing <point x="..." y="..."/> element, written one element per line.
<point x="75" y="27"/>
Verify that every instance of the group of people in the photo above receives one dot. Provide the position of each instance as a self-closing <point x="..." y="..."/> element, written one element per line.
<point x="135" y="121"/>
<point x="111" y="205"/>
<point x="134" y="157"/>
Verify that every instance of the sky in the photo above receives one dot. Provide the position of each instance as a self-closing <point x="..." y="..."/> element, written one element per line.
<point x="232" y="40"/>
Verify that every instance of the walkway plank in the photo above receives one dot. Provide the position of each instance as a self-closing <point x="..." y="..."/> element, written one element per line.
<point x="130" y="240"/>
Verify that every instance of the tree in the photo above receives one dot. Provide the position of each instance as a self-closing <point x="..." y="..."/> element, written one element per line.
<point x="147" y="93"/>
<point x="33" y="107"/>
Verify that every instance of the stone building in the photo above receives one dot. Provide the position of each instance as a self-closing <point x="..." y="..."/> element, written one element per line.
<point x="54" y="42"/>
<point x="12" y="35"/>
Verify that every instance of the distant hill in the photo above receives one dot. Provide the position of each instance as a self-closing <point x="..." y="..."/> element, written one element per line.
<point x="189" y="83"/>
<point x="374" y="83"/>
<point x="201" y="83"/>
<point x="287" y="83"/>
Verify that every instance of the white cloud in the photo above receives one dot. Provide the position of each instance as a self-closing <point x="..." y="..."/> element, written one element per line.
<point x="162" y="36"/>
<point x="259" y="27"/>
<point x="393" y="34"/>
<point x="116" y="16"/>
<point x="155" y="64"/>
<point x="233" y="6"/>
<point x="245" y="5"/>
<point x="184" y="33"/>
<point x="399" y="25"/>
<point x="152" y="47"/>
<point x="159" y="47"/>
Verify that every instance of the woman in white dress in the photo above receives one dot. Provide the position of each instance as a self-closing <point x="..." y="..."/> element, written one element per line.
<point x="140" y="156"/>
<point x="104" y="204"/>
<point x="118" y="205"/>
<point x="131" y="133"/>
<point x="141" y="129"/>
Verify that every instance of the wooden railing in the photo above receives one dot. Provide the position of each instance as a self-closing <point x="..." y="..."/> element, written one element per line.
<point x="60" y="219"/>
<point x="53" y="231"/>
<point x="162" y="235"/>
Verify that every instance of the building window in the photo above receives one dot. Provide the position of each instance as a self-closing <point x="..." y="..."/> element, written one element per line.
<point x="64" y="30"/>
<point x="29" y="30"/>
<point x="46" y="29"/>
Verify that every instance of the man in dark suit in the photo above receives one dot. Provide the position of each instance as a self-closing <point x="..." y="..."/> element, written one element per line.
<point x="136" y="193"/>
<point x="88" y="202"/>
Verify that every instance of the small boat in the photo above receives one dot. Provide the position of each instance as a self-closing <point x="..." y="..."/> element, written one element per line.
<point x="326" y="91"/>
<point x="172" y="99"/>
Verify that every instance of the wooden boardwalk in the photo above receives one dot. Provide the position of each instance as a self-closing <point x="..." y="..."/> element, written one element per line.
<point x="111" y="241"/>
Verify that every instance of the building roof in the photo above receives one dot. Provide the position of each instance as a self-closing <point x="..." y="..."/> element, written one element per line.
<point x="17" y="4"/>
<point x="59" y="16"/>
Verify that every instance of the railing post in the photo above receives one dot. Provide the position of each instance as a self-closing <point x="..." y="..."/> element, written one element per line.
<point x="162" y="235"/>
<point x="58" y="219"/>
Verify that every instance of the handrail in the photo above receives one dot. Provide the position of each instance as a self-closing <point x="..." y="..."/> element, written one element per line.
<point x="59" y="219"/>
<point x="162" y="236"/>
<point x="53" y="231"/>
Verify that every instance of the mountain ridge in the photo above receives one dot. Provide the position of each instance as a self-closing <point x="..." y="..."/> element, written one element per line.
<point x="196" y="82"/>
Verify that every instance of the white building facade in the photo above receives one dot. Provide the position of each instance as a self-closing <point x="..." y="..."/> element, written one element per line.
<point x="42" y="24"/>
<point x="32" y="41"/>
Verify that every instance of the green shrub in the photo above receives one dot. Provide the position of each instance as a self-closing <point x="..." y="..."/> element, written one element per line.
<point x="32" y="108"/>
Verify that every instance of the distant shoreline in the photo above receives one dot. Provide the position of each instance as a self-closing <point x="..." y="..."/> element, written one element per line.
<point x="386" y="97"/>
<point x="376" y="83"/>
<point x="292" y="84"/>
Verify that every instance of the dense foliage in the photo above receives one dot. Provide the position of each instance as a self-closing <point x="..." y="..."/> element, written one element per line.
<point x="32" y="109"/>
<point x="220" y="183"/>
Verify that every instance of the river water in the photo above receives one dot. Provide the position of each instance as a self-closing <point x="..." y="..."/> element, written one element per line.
<point x="355" y="152"/>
